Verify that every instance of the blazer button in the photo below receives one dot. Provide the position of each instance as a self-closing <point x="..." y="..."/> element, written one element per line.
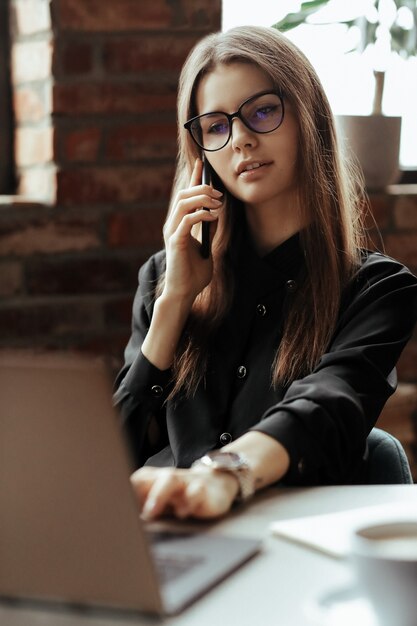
<point x="291" y="285"/>
<point x="261" y="310"/>
<point x="241" y="371"/>
<point x="225" y="438"/>
<point x="157" y="391"/>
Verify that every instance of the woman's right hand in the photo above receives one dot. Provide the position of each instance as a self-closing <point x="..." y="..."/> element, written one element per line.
<point x="187" y="272"/>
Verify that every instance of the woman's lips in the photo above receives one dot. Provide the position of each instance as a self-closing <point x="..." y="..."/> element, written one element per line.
<point x="254" y="171"/>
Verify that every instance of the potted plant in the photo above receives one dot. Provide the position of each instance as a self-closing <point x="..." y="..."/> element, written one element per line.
<point x="388" y="26"/>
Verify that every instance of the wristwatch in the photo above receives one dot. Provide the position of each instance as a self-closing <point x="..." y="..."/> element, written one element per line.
<point x="232" y="463"/>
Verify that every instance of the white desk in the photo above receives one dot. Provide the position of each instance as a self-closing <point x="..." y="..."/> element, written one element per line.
<point x="271" y="590"/>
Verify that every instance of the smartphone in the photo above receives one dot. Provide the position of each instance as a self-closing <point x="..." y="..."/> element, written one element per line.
<point x="205" y="226"/>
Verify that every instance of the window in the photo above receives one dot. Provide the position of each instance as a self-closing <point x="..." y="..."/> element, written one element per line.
<point x="347" y="78"/>
<point x="6" y="116"/>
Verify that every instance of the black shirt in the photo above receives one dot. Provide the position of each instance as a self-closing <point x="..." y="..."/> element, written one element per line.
<point x="322" y="419"/>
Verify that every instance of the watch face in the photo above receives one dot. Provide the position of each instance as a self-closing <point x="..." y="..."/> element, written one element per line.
<point x="226" y="460"/>
<point x="234" y="463"/>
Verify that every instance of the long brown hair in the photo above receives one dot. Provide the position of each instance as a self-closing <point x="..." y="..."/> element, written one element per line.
<point x="329" y="195"/>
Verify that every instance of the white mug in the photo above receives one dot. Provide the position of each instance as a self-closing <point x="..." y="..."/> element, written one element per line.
<point x="384" y="557"/>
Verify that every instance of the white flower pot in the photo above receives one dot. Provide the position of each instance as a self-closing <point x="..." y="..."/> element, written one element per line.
<point x="375" y="141"/>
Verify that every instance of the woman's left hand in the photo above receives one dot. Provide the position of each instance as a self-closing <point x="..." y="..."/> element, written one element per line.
<point x="197" y="492"/>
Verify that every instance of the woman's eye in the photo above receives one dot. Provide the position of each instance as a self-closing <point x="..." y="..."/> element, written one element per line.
<point x="218" y="129"/>
<point x="265" y="111"/>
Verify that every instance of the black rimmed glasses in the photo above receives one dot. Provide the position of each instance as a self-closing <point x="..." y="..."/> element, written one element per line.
<point x="262" y="113"/>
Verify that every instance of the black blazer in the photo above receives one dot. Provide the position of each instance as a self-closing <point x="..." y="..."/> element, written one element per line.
<point x="322" y="419"/>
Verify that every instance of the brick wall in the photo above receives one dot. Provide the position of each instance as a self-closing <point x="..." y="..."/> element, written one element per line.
<point x="94" y="95"/>
<point x="395" y="213"/>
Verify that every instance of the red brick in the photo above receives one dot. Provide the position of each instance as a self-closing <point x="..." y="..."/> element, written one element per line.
<point x="406" y="212"/>
<point x="96" y="15"/>
<point x="381" y="210"/>
<point x="31" y="103"/>
<point x="402" y="247"/>
<point x="141" y="53"/>
<point x="27" y="236"/>
<point x="88" y="98"/>
<point x="141" y="141"/>
<point x="80" y="275"/>
<point x="374" y="240"/>
<point x="31" y="60"/>
<point x="10" y="278"/>
<point x="105" y="343"/>
<point x="127" y="15"/>
<point x="81" y="144"/>
<point x="37" y="318"/>
<point x="407" y="365"/>
<point x="30" y="16"/>
<point x="115" y="184"/>
<point x="118" y="312"/>
<point x="33" y="146"/>
<point x="396" y="416"/>
<point x="110" y="343"/>
<point x="141" y="228"/>
<point x="76" y="58"/>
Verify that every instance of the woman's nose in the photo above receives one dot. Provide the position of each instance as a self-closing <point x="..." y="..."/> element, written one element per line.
<point x="242" y="136"/>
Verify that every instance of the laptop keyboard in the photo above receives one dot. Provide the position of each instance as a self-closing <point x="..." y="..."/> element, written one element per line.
<point x="169" y="568"/>
<point x="175" y="564"/>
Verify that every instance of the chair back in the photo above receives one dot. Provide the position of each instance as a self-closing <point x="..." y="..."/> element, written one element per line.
<point x="386" y="460"/>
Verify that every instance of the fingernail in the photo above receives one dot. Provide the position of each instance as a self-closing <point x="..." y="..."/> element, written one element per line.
<point x="218" y="202"/>
<point x="217" y="193"/>
<point x="149" y="508"/>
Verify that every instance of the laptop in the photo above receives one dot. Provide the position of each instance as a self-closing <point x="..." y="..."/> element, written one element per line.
<point x="70" y="529"/>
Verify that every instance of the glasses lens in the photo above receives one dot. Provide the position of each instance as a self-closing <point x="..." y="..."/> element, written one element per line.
<point x="211" y="131"/>
<point x="264" y="113"/>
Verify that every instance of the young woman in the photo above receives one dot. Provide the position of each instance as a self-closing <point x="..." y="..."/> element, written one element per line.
<point x="271" y="359"/>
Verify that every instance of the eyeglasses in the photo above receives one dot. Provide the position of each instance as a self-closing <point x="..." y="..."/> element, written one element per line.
<point x="262" y="113"/>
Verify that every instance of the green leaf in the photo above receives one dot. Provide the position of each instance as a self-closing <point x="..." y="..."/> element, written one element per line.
<point x="403" y="42"/>
<point x="370" y="34"/>
<point x="411" y="4"/>
<point x="292" y="20"/>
